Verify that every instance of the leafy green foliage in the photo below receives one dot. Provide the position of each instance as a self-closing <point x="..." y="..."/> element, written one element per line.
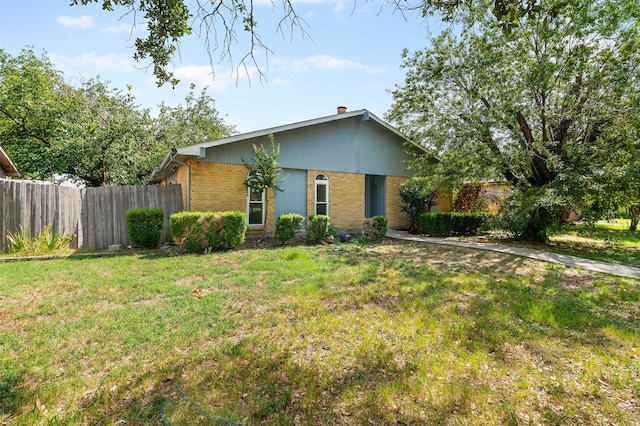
<point x="47" y="241"/>
<point x="530" y="214"/>
<point x="187" y="230"/>
<point x="144" y="227"/>
<point x="317" y="227"/>
<point x="446" y="224"/>
<point x="418" y="196"/>
<point x="533" y="105"/>
<point x="196" y="121"/>
<point x="287" y="225"/>
<point x="264" y="172"/>
<point x="91" y="133"/>
<point x="263" y="167"/>
<point x="200" y="232"/>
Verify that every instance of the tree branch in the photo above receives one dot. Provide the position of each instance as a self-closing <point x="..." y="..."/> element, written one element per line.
<point x="23" y="126"/>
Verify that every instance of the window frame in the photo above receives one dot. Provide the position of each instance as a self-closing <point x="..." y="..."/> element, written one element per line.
<point x="325" y="183"/>
<point x="253" y="202"/>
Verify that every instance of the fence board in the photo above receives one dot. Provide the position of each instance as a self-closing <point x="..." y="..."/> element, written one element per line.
<point x="96" y="215"/>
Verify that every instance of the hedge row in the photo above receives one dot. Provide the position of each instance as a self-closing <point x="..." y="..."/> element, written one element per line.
<point x="445" y="224"/>
<point x="199" y="232"/>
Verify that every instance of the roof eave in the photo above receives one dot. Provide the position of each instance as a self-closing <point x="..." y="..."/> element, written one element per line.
<point x="7" y="165"/>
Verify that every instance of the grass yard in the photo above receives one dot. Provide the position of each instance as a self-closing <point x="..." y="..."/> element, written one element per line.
<point x="606" y="241"/>
<point x="395" y="333"/>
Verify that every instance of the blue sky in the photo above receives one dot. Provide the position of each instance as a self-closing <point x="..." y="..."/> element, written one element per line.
<point x="351" y="55"/>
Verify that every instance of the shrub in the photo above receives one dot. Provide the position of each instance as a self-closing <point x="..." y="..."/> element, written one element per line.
<point x="233" y="230"/>
<point x="287" y="225"/>
<point x="529" y="214"/>
<point x="317" y="227"/>
<point x="375" y="228"/>
<point x="47" y="241"/>
<point x="198" y="232"/>
<point x="417" y="197"/>
<point x="445" y="224"/>
<point x="144" y="227"/>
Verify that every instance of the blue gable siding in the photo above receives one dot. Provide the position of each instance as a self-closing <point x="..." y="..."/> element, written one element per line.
<point x="350" y="145"/>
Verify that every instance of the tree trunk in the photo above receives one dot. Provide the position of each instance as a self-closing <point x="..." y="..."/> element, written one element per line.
<point x="634" y="212"/>
<point x="537" y="226"/>
<point x="266" y="215"/>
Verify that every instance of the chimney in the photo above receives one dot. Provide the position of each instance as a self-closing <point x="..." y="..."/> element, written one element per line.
<point x="342" y="109"/>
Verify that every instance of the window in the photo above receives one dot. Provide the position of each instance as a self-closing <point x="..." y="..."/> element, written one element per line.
<point x="255" y="206"/>
<point x="322" y="195"/>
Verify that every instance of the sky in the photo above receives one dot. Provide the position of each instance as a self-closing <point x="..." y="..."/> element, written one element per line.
<point x="350" y="54"/>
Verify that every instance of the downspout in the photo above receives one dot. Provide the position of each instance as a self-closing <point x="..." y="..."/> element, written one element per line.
<point x="174" y="152"/>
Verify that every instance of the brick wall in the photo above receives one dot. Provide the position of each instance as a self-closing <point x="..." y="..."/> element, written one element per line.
<point x="346" y="197"/>
<point x="397" y="218"/>
<point x="220" y="187"/>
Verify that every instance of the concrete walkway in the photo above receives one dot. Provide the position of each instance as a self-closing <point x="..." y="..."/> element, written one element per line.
<point x="565" y="259"/>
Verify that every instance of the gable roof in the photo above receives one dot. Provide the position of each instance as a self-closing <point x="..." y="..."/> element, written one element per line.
<point x="7" y="165"/>
<point x="179" y="155"/>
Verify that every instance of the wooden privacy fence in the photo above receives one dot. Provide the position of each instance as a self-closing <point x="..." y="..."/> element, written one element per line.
<point x="97" y="216"/>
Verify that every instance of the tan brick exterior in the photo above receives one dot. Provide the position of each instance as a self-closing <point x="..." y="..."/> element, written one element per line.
<point x="220" y="187"/>
<point x="444" y="201"/>
<point x="179" y="177"/>
<point x="346" y="197"/>
<point x="397" y="218"/>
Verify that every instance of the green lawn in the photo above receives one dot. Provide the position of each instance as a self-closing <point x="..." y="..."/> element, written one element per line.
<point x="606" y="241"/>
<point x="396" y="333"/>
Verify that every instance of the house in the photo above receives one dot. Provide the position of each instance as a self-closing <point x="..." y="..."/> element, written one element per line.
<point x="347" y="165"/>
<point x="7" y="168"/>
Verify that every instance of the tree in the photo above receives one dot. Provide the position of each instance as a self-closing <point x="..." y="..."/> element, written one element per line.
<point x="618" y="171"/>
<point x="93" y="134"/>
<point x="111" y="140"/>
<point x="32" y="104"/>
<point x="530" y="105"/>
<point x="264" y="173"/>
<point x="196" y="122"/>
<point x="168" y="21"/>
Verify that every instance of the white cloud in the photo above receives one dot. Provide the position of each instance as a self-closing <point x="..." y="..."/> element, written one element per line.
<point x="91" y="60"/>
<point x="221" y="81"/>
<point x="339" y="7"/>
<point x="324" y="63"/>
<point x="281" y="82"/>
<point x="82" y="22"/>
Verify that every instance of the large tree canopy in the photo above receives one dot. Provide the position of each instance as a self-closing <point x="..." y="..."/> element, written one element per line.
<point x="92" y="134"/>
<point x="534" y="104"/>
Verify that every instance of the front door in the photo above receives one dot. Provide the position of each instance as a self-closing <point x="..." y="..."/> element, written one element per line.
<point x="375" y="195"/>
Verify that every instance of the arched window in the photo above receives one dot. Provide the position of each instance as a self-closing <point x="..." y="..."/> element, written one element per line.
<point x="255" y="205"/>
<point x="322" y="195"/>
